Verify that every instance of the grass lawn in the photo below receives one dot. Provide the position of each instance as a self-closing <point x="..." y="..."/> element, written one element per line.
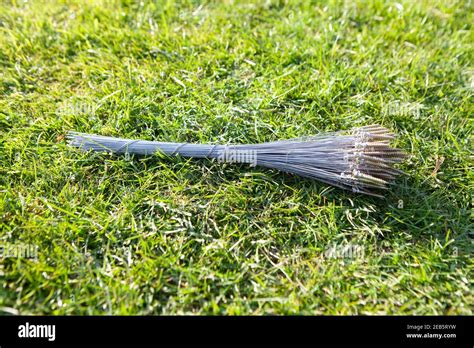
<point x="147" y="235"/>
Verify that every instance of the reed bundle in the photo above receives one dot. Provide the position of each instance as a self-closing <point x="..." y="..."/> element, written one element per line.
<point x="360" y="159"/>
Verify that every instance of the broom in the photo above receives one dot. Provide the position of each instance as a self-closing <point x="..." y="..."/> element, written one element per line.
<point x="360" y="159"/>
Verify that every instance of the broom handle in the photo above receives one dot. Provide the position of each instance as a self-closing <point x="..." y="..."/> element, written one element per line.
<point x="145" y="147"/>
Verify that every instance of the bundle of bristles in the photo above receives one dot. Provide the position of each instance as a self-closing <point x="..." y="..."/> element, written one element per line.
<point x="360" y="159"/>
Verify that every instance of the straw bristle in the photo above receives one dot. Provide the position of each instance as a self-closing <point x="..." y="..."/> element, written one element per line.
<point x="360" y="160"/>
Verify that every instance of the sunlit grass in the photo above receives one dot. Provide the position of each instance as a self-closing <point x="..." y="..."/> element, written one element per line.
<point x="177" y="236"/>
